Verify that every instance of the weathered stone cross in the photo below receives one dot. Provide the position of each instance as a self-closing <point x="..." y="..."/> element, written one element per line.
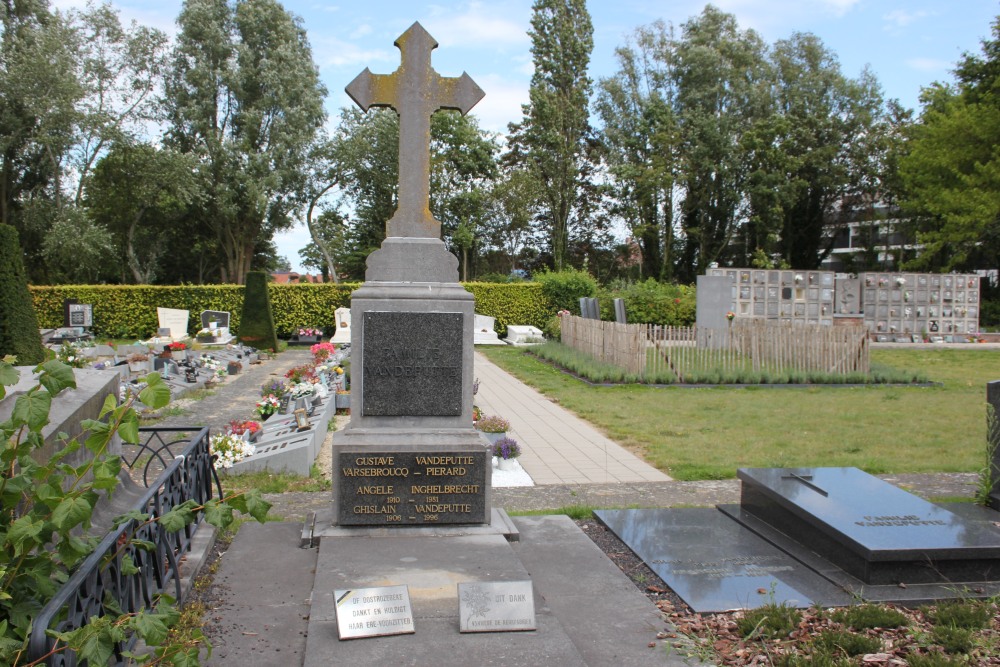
<point x="415" y="91"/>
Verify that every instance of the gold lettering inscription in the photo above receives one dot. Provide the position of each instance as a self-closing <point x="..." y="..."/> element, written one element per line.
<point x="374" y="491"/>
<point x="440" y="489"/>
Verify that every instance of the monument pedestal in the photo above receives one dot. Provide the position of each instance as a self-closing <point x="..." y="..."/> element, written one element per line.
<point x="410" y="455"/>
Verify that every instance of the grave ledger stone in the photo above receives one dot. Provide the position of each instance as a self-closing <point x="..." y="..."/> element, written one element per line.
<point x="409" y="455"/>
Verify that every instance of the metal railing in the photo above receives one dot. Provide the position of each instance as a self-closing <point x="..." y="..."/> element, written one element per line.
<point x="102" y="582"/>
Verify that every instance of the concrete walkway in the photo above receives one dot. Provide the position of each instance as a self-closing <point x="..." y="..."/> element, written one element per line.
<point x="559" y="447"/>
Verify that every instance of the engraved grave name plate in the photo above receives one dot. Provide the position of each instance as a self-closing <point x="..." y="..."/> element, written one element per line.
<point x="496" y="606"/>
<point x="373" y="612"/>
<point x="412" y="364"/>
<point x="380" y="488"/>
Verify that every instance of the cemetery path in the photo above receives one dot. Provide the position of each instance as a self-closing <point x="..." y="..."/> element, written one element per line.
<point x="236" y="397"/>
<point x="559" y="447"/>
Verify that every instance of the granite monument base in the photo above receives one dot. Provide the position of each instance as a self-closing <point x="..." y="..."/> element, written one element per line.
<point x="445" y="481"/>
<point x="869" y="528"/>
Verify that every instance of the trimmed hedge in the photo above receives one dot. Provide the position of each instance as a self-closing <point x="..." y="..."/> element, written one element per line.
<point x="258" y="320"/>
<point x="129" y="311"/>
<point x="19" y="333"/>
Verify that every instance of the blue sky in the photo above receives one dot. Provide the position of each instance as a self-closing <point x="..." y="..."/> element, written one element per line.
<point x="906" y="43"/>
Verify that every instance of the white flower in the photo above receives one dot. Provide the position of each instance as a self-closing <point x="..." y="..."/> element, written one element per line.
<point x="229" y="449"/>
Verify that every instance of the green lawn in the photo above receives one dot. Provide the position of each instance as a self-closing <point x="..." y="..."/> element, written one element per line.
<point x="709" y="433"/>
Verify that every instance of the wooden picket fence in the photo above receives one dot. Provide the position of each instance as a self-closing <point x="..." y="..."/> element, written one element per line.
<point x="744" y="346"/>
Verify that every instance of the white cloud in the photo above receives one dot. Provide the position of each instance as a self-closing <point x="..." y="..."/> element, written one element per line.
<point x="333" y="52"/>
<point x="502" y="103"/>
<point x="480" y="25"/>
<point x="361" y="31"/>
<point x="929" y="65"/>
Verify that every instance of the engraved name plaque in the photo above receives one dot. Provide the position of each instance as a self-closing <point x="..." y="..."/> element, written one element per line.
<point x="373" y="612"/>
<point x="412" y="364"/>
<point x="496" y="606"/>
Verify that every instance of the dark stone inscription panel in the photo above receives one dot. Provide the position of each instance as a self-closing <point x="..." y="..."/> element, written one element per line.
<point x="378" y="488"/>
<point x="412" y="364"/>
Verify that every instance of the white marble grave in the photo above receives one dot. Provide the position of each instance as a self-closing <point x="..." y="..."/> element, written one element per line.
<point x="484" y="333"/>
<point x="342" y="320"/>
<point x="524" y="335"/>
<point x="175" y="320"/>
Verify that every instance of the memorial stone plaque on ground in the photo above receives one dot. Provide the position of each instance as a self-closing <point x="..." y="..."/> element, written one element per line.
<point x="412" y="334"/>
<point x="373" y="612"/>
<point x="495" y="606"/>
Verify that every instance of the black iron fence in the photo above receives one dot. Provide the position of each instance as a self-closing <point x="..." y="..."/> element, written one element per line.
<point x="103" y="581"/>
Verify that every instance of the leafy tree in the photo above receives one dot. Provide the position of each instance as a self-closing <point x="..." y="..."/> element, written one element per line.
<point x="722" y="79"/>
<point x="244" y="96"/>
<point x="39" y="91"/>
<point x="512" y="204"/>
<point x="640" y="141"/>
<point x="363" y="172"/>
<point x="77" y="249"/>
<point x="141" y="193"/>
<point x="552" y="138"/>
<point x="120" y="70"/>
<point x="831" y="128"/>
<point x="951" y="172"/>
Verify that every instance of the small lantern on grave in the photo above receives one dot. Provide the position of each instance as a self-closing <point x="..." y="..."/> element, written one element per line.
<point x="190" y="374"/>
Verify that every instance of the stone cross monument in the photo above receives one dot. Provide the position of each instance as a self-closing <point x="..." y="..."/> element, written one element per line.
<point x="409" y="455"/>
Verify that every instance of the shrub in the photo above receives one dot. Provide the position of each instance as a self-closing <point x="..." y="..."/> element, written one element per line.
<point x="847" y="643"/>
<point x="19" y="333"/>
<point x="651" y="302"/>
<point x="952" y="639"/>
<point x="564" y="289"/>
<point x="770" y="620"/>
<point x="257" y="322"/>
<point x="969" y="614"/>
<point x="866" y="616"/>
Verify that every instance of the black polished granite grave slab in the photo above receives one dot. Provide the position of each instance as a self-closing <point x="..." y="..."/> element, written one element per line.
<point x="715" y="564"/>
<point x="873" y="530"/>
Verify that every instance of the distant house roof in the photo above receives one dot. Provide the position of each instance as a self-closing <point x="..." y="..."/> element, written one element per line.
<point x="291" y="277"/>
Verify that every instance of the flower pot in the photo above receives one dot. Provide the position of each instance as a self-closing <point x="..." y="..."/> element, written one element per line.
<point x="343" y="400"/>
<point x="506" y="464"/>
<point x="493" y="437"/>
<point x="179" y="355"/>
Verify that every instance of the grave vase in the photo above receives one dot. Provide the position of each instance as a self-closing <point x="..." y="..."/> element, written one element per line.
<point x="493" y="437"/>
<point x="506" y="464"/>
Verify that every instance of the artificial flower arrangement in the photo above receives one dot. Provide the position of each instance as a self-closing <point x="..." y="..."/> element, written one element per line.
<point x="177" y="346"/>
<point x="274" y="388"/>
<point x="267" y="406"/>
<point x="730" y="315"/>
<point x="309" y="331"/>
<point x="493" y="424"/>
<point x="241" y="426"/>
<point x="506" y="448"/>
<point x="228" y="449"/>
<point x="300" y="389"/>
<point x="206" y="334"/>
<point x="304" y="373"/>
<point x="322" y="351"/>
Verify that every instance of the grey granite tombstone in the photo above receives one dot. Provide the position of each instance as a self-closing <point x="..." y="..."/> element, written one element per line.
<point x="409" y="455"/>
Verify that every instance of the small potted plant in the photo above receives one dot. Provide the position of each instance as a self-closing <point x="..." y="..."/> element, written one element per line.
<point x="267" y="406"/>
<point x="493" y="427"/>
<point x="138" y="362"/>
<point x="178" y="350"/>
<point x="506" y="450"/>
